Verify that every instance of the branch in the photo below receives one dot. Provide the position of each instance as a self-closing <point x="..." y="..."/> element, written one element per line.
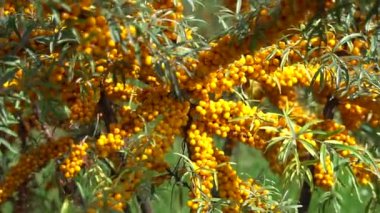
<point x="145" y="205"/>
<point x="305" y="198"/>
<point x="228" y="147"/>
<point x="105" y="107"/>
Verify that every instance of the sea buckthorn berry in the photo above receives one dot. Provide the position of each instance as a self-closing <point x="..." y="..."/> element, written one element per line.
<point x="72" y="164"/>
<point x="31" y="162"/>
<point x="324" y="177"/>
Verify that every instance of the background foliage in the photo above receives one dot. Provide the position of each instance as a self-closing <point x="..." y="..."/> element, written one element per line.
<point x="201" y="106"/>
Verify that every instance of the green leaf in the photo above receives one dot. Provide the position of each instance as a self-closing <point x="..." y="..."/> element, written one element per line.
<point x="290" y="124"/>
<point x="346" y="39"/>
<point x="238" y="6"/>
<point x="309" y="176"/>
<point x="65" y="206"/>
<point x="332" y="142"/>
<point x="287" y="149"/>
<point x="114" y="30"/>
<point x="191" y="3"/>
<point x="8" y="131"/>
<point x="309" y="147"/>
<point x="322" y="155"/>
<point x="81" y="190"/>
<point x="320" y="73"/>
<point x="305" y="128"/>
<point x="354" y="183"/>
<point x="7" y="145"/>
<point x="137" y="83"/>
<point x="8" y="75"/>
<point x="150" y="126"/>
<point x="190" y="162"/>
<point x="271" y="55"/>
<point x="274" y="141"/>
<point x="285" y="58"/>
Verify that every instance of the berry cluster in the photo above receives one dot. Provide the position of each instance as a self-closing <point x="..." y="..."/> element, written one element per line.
<point x="107" y="64"/>
<point x="234" y="120"/>
<point x="111" y="142"/>
<point x="324" y="174"/>
<point x="172" y="18"/>
<point x="31" y="162"/>
<point x="363" y="174"/>
<point x="201" y="149"/>
<point x="236" y="190"/>
<point x="71" y="165"/>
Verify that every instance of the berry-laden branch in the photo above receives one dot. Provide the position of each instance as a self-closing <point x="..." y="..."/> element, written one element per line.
<point x="31" y="162"/>
<point x="143" y="68"/>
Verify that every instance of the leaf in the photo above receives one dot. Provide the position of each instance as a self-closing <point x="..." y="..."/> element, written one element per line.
<point x="285" y="58"/>
<point x="238" y="6"/>
<point x="150" y="126"/>
<point x="81" y="190"/>
<point x="290" y="124"/>
<point x="309" y="176"/>
<point x="8" y="75"/>
<point x="354" y="182"/>
<point x="325" y="197"/>
<point x="361" y="153"/>
<point x="270" y="56"/>
<point x="7" y="145"/>
<point x="137" y="83"/>
<point x="321" y="74"/>
<point x="33" y="55"/>
<point x="76" y="34"/>
<point x="277" y="83"/>
<point x="114" y="30"/>
<point x="307" y="126"/>
<point x="246" y="117"/>
<point x="65" y="206"/>
<point x="8" y="131"/>
<point x="175" y="83"/>
<point x="274" y="141"/>
<point x="346" y="39"/>
<point x="322" y="155"/>
<point x="287" y="150"/>
<point x="371" y="205"/>
<point x="333" y="142"/>
<point x="331" y="133"/>
<point x="53" y="194"/>
<point x="190" y="162"/>
<point x="310" y="148"/>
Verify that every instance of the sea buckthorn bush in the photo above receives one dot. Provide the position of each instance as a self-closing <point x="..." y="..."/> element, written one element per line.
<point x="189" y="106"/>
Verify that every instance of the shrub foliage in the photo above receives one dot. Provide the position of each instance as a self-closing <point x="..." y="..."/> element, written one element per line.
<point x="102" y="103"/>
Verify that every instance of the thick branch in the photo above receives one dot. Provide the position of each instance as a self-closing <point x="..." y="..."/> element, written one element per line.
<point x="305" y="198"/>
<point x="145" y="205"/>
<point x="105" y="107"/>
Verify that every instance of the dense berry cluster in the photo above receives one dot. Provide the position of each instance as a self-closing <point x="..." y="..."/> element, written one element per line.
<point x="71" y="165"/>
<point x="234" y="120"/>
<point x="119" y="91"/>
<point x="324" y="174"/>
<point x="363" y="174"/>
<point x="238" y="191"/>
<point x="136" y="92"/>
<point x="158" y="119"/>
<point x="31" y="162"/>
<point x="122" y="191"/>
<point x="201" y="149"/>
<point x="342" y="136"/>
<point x="111" y="142"/>
<point x="172" y="18"/>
